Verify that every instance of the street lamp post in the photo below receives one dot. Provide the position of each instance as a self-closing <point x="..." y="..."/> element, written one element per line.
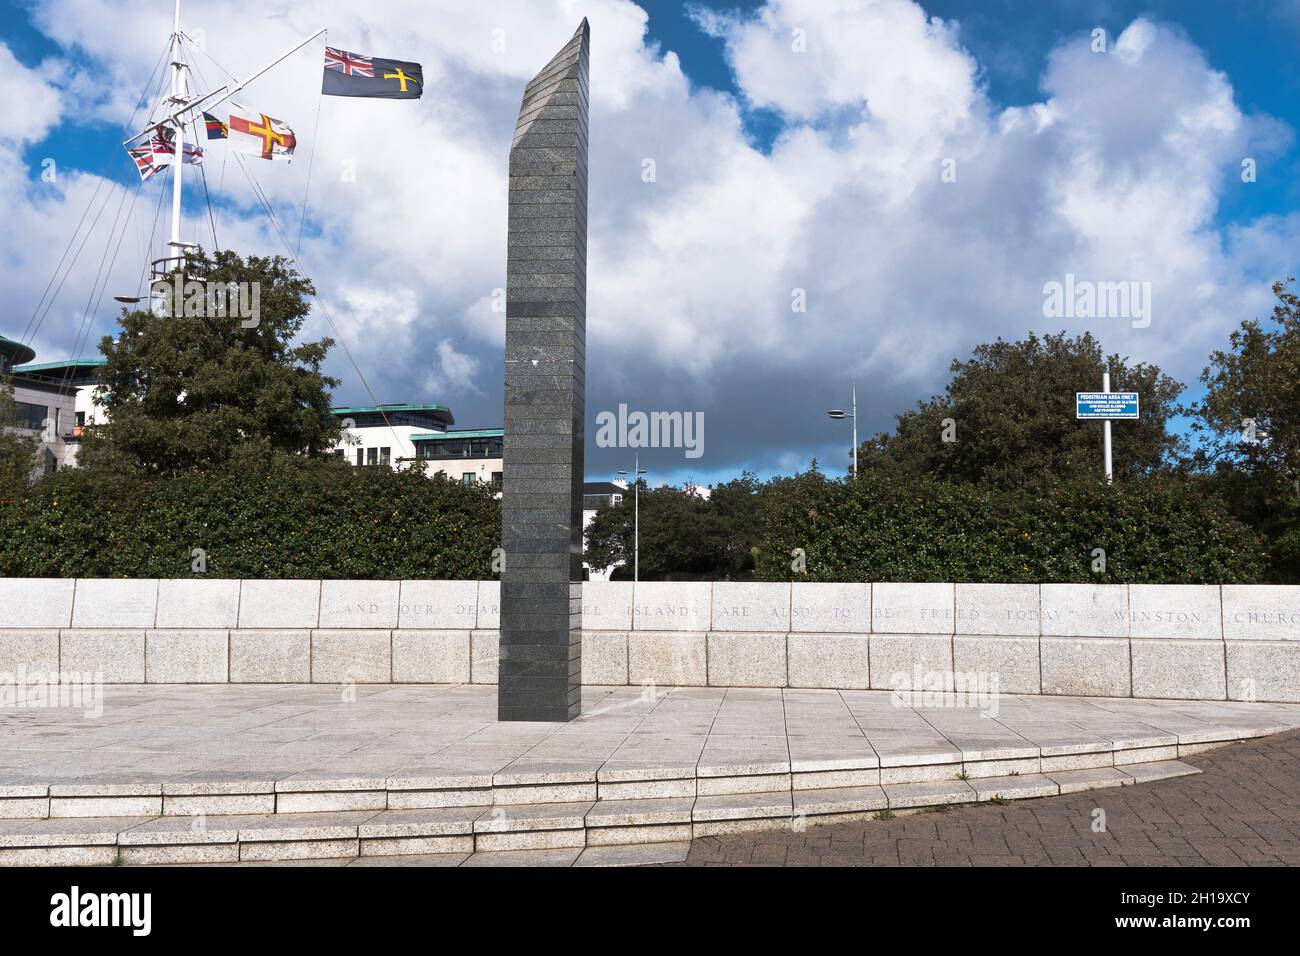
<point x="637" y="472"/>
<point x="839" y="414"/>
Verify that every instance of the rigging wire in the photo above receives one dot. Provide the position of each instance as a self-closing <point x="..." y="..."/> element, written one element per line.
<point x="216" y="247"/>
<point x="212" y="218"/>
<point x="317" y="299"/>
<point x="87" y="314"/>
<point x="83" y="333"/>
<point x="311" y="161"/>
<point x="269" y="209"/>
<point x="147" y="271"/>
<point x="30" y="331"/>
<point x="35" y="329"/>
<point x="190" y="40"/>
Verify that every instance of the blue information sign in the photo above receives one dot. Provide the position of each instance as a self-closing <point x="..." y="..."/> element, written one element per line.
<point x="1100" y="405"/>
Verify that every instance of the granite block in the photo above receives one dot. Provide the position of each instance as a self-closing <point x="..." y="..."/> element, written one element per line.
<point x="190" y="656"/>
<point x="912" y="608"/>
<point x="115" y="602"/>
<point x="1085" y="610"/>
<point x="198" y="603"/>
<point x="830" y="608"/>
<point x="279" y="604"/>
<point x="358" y="604"/>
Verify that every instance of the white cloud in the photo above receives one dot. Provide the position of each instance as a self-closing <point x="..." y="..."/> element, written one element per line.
<point x="33" y="106"/>
<point x="455" y="372"/>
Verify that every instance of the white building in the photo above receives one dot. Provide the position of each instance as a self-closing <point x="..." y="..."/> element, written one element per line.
<point x="394" y="435"/>
<point x="597" y="496"/>
<point x="56" y="399"/>
<point x="48" y="400"/>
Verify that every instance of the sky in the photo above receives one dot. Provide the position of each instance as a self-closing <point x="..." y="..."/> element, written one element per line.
<point x="845" y="192"/>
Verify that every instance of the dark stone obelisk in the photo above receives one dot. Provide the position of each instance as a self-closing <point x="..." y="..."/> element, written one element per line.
<point x="540" y="676"/>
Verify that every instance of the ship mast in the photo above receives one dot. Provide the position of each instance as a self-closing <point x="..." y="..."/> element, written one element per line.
<point x="178" y="98"/>
<point x="180" y="110"/>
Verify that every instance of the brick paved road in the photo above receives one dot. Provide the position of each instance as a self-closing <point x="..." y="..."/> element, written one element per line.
<point x="1244" y="808"/>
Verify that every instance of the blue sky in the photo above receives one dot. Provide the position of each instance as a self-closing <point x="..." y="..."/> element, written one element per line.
<point x="1247" y="39"/>
<point x="870" y="252"/>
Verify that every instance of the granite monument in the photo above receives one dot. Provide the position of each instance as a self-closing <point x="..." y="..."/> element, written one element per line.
<point x="540" y="675"/>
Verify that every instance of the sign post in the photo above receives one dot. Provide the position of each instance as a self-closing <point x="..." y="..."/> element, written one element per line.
<point x="1110" y="471"/>
<point x="1106" y="405"/>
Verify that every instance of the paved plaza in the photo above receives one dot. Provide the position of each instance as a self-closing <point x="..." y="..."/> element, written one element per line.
<point x="235" y="774"/>
<point x="302" y="733"/>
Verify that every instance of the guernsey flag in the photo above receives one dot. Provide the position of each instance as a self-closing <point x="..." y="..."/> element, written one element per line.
<point x="358" y="74"/>
<point x="259" y="134"/>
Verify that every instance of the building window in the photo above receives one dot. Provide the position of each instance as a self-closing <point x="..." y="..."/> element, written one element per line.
<point x="491" y="447"/>
<point x="497" y="478"/>
<point x="372" y="456"/>
<point x="361" y="457"/>
<point x="385" y="456"/>
<point x="81" y="419"/>
<point x="468" y="478"/>
<point x="31" y="416"/>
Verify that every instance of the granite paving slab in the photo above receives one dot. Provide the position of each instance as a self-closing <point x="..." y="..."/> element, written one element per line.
<point x="240" y="739"/>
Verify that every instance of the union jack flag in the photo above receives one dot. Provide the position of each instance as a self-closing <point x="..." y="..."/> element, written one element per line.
<point x="349" y="64"/>
<point x="164" y="147"/>
<point x="160" y="151"/>
<point x="144" y="160"/>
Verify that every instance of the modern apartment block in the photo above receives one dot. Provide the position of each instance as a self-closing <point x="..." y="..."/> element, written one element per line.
<point x="395" y="435"/>
<point x="48" y="400"/>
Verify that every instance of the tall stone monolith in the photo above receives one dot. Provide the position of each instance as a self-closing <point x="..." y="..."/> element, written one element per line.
<point x="540" y="674"/>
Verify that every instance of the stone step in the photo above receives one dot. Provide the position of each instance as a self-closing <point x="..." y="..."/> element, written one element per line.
<point x="580" y="781"/>
<point x="488" y="828"/>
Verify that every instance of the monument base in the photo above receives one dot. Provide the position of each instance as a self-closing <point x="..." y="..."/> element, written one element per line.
<point x="539" y="673"/>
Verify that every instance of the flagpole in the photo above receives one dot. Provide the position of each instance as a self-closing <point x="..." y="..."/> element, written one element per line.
<point x="179" y="87"/>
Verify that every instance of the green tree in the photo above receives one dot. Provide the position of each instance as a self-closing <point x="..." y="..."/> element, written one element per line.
<point x="679" y="537"/>
<point x="735" y="507"/>
<point x="196" y="388"/>
<point x="1248" y="424"/>
<point x="19" y="447"/>
<point x="1250" y="415"/>
<point x="1009" y="416"/>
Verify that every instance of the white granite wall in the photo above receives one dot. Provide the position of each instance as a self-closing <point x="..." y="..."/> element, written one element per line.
<point x="1211" y="642"/>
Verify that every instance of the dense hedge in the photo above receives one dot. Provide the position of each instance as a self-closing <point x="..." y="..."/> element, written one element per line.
<point x="902" y="529"/>
<point x="295" y="518"/>
<point x="323" y="519"/>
